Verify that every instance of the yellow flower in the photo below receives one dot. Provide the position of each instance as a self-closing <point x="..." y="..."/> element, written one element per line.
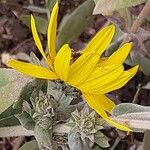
<point x="92" y="75"/>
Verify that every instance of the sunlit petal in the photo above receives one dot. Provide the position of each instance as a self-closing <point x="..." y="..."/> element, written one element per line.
<point x="51" y="33"/>
<point x="62" y="62"/>
<point x="101" y="40"/>
<point x="32" y="70"/>
<point x="82" y="68"/>
<point x="120" y="55"/>
<point x="101" y="77"/>
<point x="102" y="113"/>
<point x="120" y="82"/>
<point x="37" y="39"/>
<point x="101" y="101"/>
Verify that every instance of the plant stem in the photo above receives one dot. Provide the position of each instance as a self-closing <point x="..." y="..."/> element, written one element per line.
<point x="141" y="17"/>
<point x="135" y="99"/>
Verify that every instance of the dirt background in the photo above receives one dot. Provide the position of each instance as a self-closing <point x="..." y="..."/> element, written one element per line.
<point x="16" y="37"/>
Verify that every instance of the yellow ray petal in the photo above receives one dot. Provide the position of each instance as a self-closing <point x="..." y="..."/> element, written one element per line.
<point x="120" y="55"/>
<point x="62" y="62"/>
<point x="81" y="68"/>
<point x="120" y="82"/>
<point x="37" y="39"/>
<point x="102" y="113"/>
<point x="51" y="33"/>
<point x="101" y="40"/>
<point x="32" y="70"/>
<point x="100" y="101"/>
<point x="101" y="77"/>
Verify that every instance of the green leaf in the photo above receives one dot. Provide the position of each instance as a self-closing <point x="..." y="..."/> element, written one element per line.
<point x="50" y="4"/>
<point x="32" y="145"/>
<point x="43" y="136"/>
<point x="101" y="140"/>
<point x="9" y="121"/>
<point x="126" y="108"/>
<point x="144" y="64"/>
<point x="27" y="91"/>
<point x="41" y="23"/>
<point x="65" y="101"/>
<point x="74" y="24"/>
<point x="10" y="91"/>
<point x="4" y="78"/>
<point x="26" y="120"/>
<point x="8" y="112"/>
<point x="96" y="147"/>
<point x="7" y="118"/>
<point x="107" y="6"/>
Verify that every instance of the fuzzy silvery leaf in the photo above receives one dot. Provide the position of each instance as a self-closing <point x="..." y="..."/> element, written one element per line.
<point x="11" y="84"/>
<point x="75" y="142"/>
<point x="126" y="108"/>
<point x="22" y="56"/>
<point x="71" y="123"/>
<point x="55" y="89"/>
<point x="65" y="101"/>
<point x="85" y="111"/>
<point x="76" y="115"/>
<point x="134" y="116"/>
<point x="34" y="59"/>
<point x="105" y="7"/>
<point x="26" y="120"/>
<point x="75" y="129"/>
<point x="147" y="86"/>
<point x="43" y="136"/>
<point x="14" y="131"/>
<point x="101" y="140"/>
<point x="27" y="108"/>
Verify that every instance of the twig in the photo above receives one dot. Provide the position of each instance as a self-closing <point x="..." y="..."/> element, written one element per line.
<point x="115" y="143"/>
<point x="135" y="99"/>
<point x="141" y="17"/>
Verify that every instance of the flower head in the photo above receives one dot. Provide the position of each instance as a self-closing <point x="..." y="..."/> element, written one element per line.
<point x="90" y="74"/>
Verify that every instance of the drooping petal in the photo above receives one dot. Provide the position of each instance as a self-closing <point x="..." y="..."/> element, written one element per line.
<point x="101" y="101"/>
<point x="120" y="82"/>
<point x="62" y="62"/>
<point x="101" y="77"/>
<point x="51" y="32"/>
<point x="32" y="70"/>
<point x="120" y="55"/>
<point x="82" y="68"/>
<point x="101" y="40"/>
<point x="102" y="113"/>
<point x="37" y="39"/>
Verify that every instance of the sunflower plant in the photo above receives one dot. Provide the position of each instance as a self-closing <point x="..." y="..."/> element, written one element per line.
<point x="53" y="97"/>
